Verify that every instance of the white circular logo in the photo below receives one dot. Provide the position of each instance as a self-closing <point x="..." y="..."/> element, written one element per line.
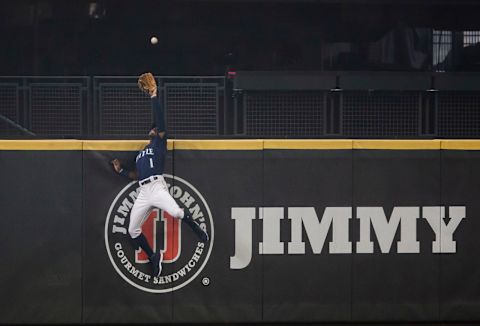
<point x="184" y="256"/>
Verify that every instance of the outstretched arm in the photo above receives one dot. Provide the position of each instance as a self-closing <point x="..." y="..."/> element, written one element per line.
<point x="158" y="114"/>
<point x="148" y="85"/>
<point x="118" y="168"/>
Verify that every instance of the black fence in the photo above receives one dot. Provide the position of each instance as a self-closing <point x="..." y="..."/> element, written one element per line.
<point x="73" y="107"/>
<point x="247" y="105"/>
<point x="194" y="106"/>
<point x="357" y="105"/>
<point x="311" y="232"/>
<point x="49" y="106"/>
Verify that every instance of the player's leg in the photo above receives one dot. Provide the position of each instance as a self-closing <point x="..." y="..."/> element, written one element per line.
<point x="138" y="215"/>
<point x="163" y="200"/>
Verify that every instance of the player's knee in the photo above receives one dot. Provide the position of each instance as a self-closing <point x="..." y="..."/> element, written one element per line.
<point x="134" y="231"/>
<point x="178" y="213"/>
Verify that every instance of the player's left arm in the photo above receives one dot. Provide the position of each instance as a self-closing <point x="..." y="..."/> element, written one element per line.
<point x="148" y="85"/>
<point x="158" y="114"/>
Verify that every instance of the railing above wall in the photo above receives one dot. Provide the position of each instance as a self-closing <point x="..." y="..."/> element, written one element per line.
<point x="348" y="80"/>
<point x="46" y="105"/>
<point x="194" y="106"/>
<point x="247" y="104"/>
<point x="357" y="104"/>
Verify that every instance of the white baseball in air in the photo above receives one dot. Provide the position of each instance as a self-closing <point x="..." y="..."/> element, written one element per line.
<point x="154" y="40"/>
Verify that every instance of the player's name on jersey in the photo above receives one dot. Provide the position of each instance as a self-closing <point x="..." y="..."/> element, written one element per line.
<point x="337" y="221"/>
<point x="147" y="151"/>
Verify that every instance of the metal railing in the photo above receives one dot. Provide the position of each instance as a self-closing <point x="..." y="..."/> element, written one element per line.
<point x="193" y="106"/>
<point x="50" y="106"/>
<point x="357" y="105"/>
<point x="284" y="114"/>
<point x="249" y="105"/>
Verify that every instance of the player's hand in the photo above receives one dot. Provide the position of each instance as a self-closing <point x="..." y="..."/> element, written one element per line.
<point x="116" y="165"/>
<point x="147" y="84"/>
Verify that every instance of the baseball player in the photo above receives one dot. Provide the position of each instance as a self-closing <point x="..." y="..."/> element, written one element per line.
<point x="150" y="163"/>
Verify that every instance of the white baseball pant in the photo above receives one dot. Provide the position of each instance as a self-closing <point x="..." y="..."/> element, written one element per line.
<point x="153" y="194"/>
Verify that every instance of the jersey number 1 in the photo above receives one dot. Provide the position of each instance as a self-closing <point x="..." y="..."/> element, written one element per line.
<point x="151" y="163"/>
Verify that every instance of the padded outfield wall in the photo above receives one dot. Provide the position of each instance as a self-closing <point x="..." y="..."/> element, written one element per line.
<point x="301" y="230"/>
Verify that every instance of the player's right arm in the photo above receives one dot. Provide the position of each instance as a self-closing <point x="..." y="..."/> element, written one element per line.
<point x="117" y="166"/>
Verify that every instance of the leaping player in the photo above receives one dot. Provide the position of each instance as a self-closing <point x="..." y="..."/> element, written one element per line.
<point x="150" y="163"/>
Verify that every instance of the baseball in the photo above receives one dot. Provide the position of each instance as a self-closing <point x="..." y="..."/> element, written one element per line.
<point x="154" y="40"/>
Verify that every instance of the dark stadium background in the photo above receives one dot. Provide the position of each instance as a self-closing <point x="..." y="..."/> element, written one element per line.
<point x="252" y="69"/>
<point x="111" y="37"/>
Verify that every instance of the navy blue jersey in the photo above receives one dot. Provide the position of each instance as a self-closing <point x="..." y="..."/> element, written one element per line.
<point x="151" y="160"/>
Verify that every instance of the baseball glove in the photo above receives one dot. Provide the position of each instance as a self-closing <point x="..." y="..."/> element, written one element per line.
<point x="147" y="84"/>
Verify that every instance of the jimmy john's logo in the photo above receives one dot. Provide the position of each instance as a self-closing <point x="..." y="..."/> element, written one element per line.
<point x="184" y="257"/>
